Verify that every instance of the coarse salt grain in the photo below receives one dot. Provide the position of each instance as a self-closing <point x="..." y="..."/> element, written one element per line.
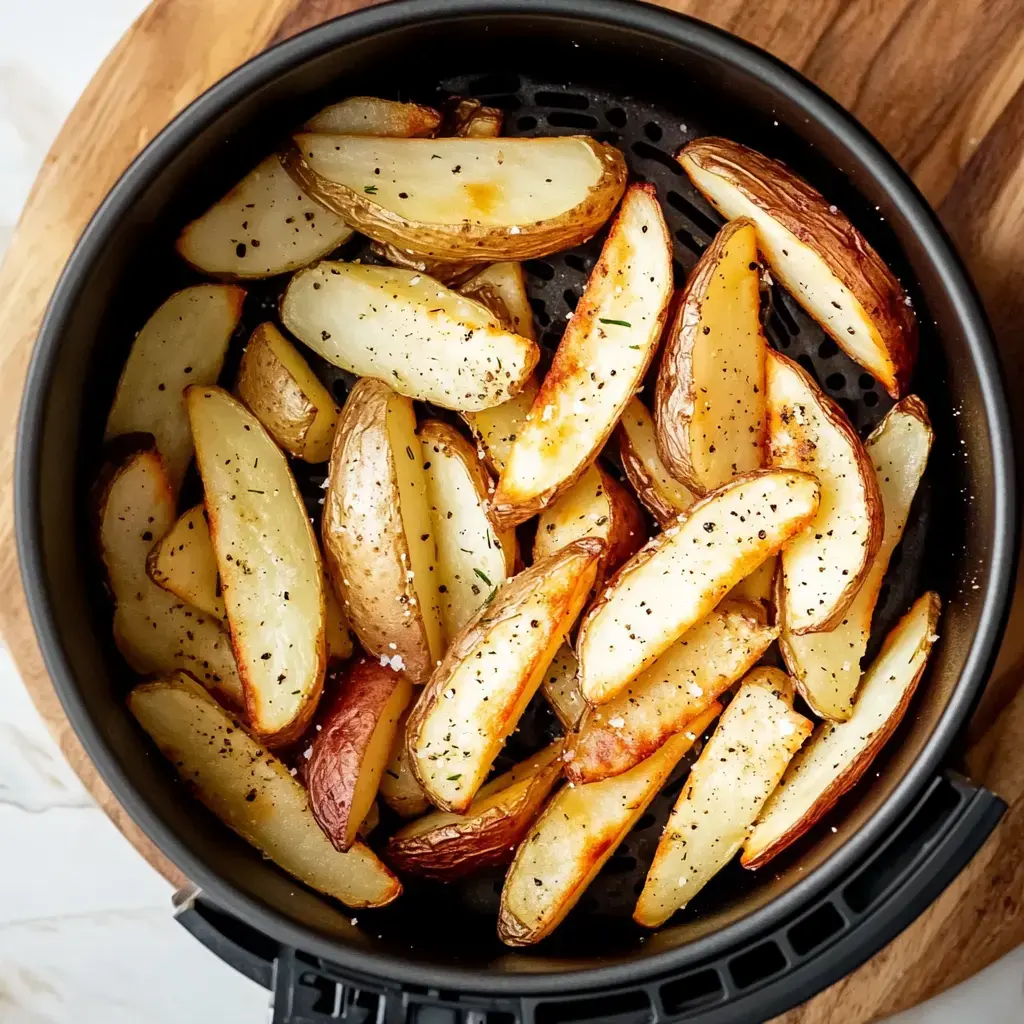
<point x="617" y="722"/>
<point x="307" y="753"/>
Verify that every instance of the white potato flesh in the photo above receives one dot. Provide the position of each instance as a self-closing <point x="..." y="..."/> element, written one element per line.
<point x="184" y="342"/>
<point x="561" y="688"/>
<point x="268" y="560"/>
<point x="601" y="359"/>
<point x="840" y="752"/>
<point x="265" y="225"/>
<point x="399" y="788"/>
<point x="369" y="115"/>
<point x="826" y="666"/>
<point x="740" y="766"/>
<point x="759" y="585"/>
<point x="253" y="793"/>
<point x="501" y="287"/>
<point x="496" y="429"/>
<point x="337" y="637"/>
<point x="424" y="340"/>
<point x="680" y="575"/>
<point x="183" y="562"/>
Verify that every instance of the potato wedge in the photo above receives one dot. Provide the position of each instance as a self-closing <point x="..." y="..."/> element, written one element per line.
<point x="284" y="394"/>
<point x="501" y="287"/>
<point x="738" y="769"/>
<point x="482" y="199"/>
<point x="709" y="405"/>
<point x="469" y="119"/>
<point x="698" y="668"/>
<point x="378" y="537"/>
<point x="183" y="562"/>
<point x="759" y="586"/>
<point x="449" y="272"/>
<point x="815" y="253"/>
<point x="403" y="327"/>
<point x="663" y="495"/>
<point x="472" y="559"/>
<point x="370" y="822"/>
<point x="680" y="575"/>
<point x="824" y="567"/>
<point x="445" y="846"/>
<point x="184" y="342"/>
<point x="370" y="115"/>
<point x="840" y="753"/>
<point x="156" y="630"/>
<point x="265" y="225"/>
<point x="398" y="786"/>
<point x="601" y="359"/>
<point x="269" y="564"/>
<point x="597" y="505"/>
<point x="496" y="429"/>
<point x="253" y="793"/>
<point x="493" y="667"/>
<point x="575" y="836"/>
<point x="337" y="637"/>
<point x="561" y="689"/>
<point x="351" y="749"/>
<point x="826" y="666"/>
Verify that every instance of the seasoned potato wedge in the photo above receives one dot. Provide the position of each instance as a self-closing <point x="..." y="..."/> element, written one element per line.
<point x="709" y="405"/>
<point x="370" y="822"/>
<point x="496" y="429"/>
<point x="456" y="199"/>
<point x="597" y="505"/>
<point x="470" y="119"/>
<point x="501" y="287"/>
<point x="253" y="793"/>
<point x="491" y="670"/>
<point x="601" y="359"/>
<point x="403" y="327"/>
<point x="269" y="564"/>
<point x="823" y="568"/>
<point x="759" y="585"/>
<point x="370" y="115"/>
<point x="284" y="394"/>
<point x="377" y="533"/>
<point x="472" y="559"/>
<point x="815" y="252"/>
<point x="701" y="665"/>
<point x="265" y="225"/>
<point x="826" y="666"/>
<point x="183" y="562"/>
<point x="352" y="747"/>
<point x="840" y="753"/>
<point x="449" y="272"/>
<point x="681" y="574"/>
<point x="156" y="630"/>
<point x="561" y="688"/>
<point x="446" y="846"/>
<point x="336" y="632"/>
<point x="398" y="786"/>
<point x="663" y="495"/>
<point x="182" y="343"/>
<point x="574" y="837"/>
<point x="740" y="766"/>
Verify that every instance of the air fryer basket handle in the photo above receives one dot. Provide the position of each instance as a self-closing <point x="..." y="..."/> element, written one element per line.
<point x="780" y="968"/>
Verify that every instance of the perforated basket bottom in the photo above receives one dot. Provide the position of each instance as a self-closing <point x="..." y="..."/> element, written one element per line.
<point x="649" y="135"/>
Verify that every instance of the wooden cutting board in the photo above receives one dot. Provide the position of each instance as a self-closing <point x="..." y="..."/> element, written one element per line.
<point x="939" y="82"/>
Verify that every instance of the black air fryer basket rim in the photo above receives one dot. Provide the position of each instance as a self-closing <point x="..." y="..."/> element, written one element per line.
<point x="656" y="22"/>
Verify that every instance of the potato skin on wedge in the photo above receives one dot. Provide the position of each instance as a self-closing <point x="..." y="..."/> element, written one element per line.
<point x="496" y="429"/>
<point x="491" y="671"/>
<point x="370" y="115"/>
<point x="252" y="792"/>
<point x="562" y="691"/>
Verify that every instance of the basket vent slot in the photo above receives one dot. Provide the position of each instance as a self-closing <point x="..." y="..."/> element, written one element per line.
<point x="693" y="991"/>
<point x="757" y="964"/>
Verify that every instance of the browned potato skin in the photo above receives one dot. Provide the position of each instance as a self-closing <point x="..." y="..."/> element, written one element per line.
<point x="470" y="119"/>
<point x="806" y="213"/>
<point x="447" y="272"/>
<point x="636" y="474"/>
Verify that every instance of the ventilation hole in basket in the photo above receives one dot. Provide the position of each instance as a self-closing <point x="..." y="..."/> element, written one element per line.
<point x="620" y="864"/>
<point x="616" y="116"/>
<point x="573" y="100"/>
<point x="689" y="241"/>
<point x="866" y="381"/>
<point x="610" y="138"/>
<point x="538" y="268"/>
<point x="510" y="104"/>
<point x="679" y="271"/>
<point x="806" y="362"/>
<point x="850" y="408"/>
<point x="648" y="152"/>
<point x="897" y="557"/>
<point x="552" y="338"/>
<point x="785" y="316"/>
<point x="568" y="119"/>
<point x="340" y="390"/>
<point x="527" y="123"/>
<point x="870" y="399"/>
<point x="539" y="307"/>
<point x="777" y="330"/>
<point x="696" y="217"/>
<point x="575" y="262"/>
<point x="883" y="595"/>
<point x="497" y="83"/>
<point x="827" y="349"/>
<point x="645" y="822"/>
<point x="571" y="298"/>
<point x="653" y="131"/>
<point x="835" y="382"/>
<point x="639" y="178"/>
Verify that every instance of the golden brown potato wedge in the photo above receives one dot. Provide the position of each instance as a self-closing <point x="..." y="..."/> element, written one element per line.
<point x="182" y="343"/>
<point x="663" y="495"/>
<point x="398" y="786"/>
<point x="709" y="405"/>
<point x="445" y="846"/>
<point x="823" y="568"/>
<point x="472" y="559"/>
<point x="840" y="753"/>
<point x="496" y="429"/>
<point x="815" y="252"/>
<point x="573" y="838"/>
<point x="697" y="669"/>
<point x="155" y="630"/>
<point x="561" y="689"/>
<point x="457" y="199"/>
<point x="601" y="359"/>
<point x="265" y="225"/>
<point x="377" y="533"/>
<point x="253" y="793"/>
<point x="370" y="115"/>
<point x="738" y="769"/>
<point x="826" y="666"/>
<point x="284" y="394"/>
<point x="403" y="327"/>
<point x="470" y="119"/>
<point x="370" y="822"/>
<point x="449" y="272"/>
<point x="597" y="505"/>
<point x="336" y="632"/>
<point x="269" y="564"/>
<point x="491" y="670"/>
<point x="759" y="585"/>
<point x="680" y="575"/>
<point x="183" y="562"/>
<point x="352" y="747"/>
<point x="501" y="287"/>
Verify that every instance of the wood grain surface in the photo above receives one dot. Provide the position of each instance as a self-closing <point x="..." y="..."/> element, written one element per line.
<point x="939" y="82"/>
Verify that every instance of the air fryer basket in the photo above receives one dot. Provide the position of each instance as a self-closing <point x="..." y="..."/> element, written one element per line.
<point x="647" y="82"/>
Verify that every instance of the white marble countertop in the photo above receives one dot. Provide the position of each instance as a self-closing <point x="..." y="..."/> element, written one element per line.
<point x="86" y="933"/>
